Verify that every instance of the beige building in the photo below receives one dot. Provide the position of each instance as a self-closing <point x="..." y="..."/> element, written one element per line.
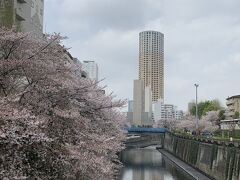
<point x="151" y="62"/>
<point x="233" y="106"/>
<point x="26" y="15"/>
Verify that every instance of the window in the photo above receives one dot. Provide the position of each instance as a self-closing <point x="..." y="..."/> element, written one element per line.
<point x="41" y="12"/>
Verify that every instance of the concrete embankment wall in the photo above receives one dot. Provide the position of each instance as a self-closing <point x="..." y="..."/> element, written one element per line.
<point x="218" y="161"/>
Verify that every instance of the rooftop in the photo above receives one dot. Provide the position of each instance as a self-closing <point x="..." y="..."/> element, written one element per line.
<point x="231" y="97"/>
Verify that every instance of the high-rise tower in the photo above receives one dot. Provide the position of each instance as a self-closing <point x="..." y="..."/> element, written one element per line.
<point x="151" y="62"/>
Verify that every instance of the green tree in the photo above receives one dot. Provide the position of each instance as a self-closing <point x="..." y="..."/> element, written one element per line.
<point x="221" y="116"/>
<point x="236" y="115"/>
<point x="205" y="106"/>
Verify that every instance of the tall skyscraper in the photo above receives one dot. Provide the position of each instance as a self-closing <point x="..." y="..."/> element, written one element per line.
<point x="151" y="62"/>
<point x="26" y="15"/>
<point x="91" y="68"/>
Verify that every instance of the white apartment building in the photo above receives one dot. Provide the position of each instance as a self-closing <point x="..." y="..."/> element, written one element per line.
<point x="26" y="15"/>
<point x="163" y="111"/>
<point x="91" y="68"/>
<point x="151" y="62"/>
<point x="178" y="114"/>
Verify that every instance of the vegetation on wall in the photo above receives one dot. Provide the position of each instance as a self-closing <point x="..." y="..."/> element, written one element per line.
<point x="213" y="154"/>
<point x="230" y="163"/>
<point x="236" y="115"/>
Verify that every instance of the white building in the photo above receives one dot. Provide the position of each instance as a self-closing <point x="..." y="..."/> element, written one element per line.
<point x="91" y="68"/>
<point x="231" y="124"/>
<point x="163" y="111"/>
<point x="148" y="101"/>
<point x="26" y="15"/>
<point x="178" y="114"/>
<point x="130" y="106"/>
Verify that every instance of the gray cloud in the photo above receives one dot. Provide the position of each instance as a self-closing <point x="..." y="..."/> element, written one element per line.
<point x="114" y="14"/>
<point x="201" y="42"/>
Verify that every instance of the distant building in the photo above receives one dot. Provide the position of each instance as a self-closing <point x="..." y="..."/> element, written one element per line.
<point x="130" y="106"/>
<point x="157" y="110"/>
<point x="178" y="114"/>
<point x="233" y="106"/>
<point x="232" y="124"/>
<point x="91" y="68"/>
<point x="141" y="106"/>
<point x="26" y="15"/>
<point x="68" y="60"/>
<point x="190" y="106"/>
<point x="166" y="111"/>
<point x="130" y="111"/>
<point x="151" y="62"/>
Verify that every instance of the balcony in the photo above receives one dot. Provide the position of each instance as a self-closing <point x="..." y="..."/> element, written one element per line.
<point x="21" y="1"/>
<point x="230" y="102"/>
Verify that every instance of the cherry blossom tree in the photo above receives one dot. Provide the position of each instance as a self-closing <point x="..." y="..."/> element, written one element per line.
<point x="167" y="123"/>
<point x="188" y="123"/>
<point x="208" y="122"/>
<point x="53" y="123"/>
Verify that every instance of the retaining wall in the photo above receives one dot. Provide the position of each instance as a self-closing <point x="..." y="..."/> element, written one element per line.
<point x="220" y="162"/>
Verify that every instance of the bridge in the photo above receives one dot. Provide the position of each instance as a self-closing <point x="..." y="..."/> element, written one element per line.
<point x="143" y="137"/>
<point x="137" y="130"/>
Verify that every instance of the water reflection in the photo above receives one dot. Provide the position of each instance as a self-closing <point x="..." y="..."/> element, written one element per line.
<point x="149" y="164"/>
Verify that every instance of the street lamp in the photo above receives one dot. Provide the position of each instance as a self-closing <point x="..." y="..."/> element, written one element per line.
<point x="196" y="85"/>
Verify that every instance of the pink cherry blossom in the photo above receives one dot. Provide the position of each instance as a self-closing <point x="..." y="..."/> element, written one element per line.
<point x="54" y="124"/>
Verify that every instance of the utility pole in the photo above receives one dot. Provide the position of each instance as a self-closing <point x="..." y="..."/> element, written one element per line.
<point x="196" y="85"/>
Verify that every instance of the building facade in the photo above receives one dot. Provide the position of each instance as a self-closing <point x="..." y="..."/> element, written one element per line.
<point x="151" y="62"/>
<point x="91" y="68"/>
<point x="233" y="124"/>
<point x="141" y="106"/>
<point x="25" y="15"/>
<point x="233" y="106"/>
<point x="130" y="106"/>
<point x="166" y="112"/>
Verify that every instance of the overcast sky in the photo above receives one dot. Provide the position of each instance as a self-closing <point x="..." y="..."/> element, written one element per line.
<point x="202" y="42"/>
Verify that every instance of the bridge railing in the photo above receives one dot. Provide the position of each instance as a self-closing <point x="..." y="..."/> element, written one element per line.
<point x="146" y="130"/>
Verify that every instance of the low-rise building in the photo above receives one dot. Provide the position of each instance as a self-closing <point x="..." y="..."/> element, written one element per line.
<point x="231" y="124"/>
<point x="166" y="112"/>
<point x="233" y="106"/>
<point x="178" y="114"/>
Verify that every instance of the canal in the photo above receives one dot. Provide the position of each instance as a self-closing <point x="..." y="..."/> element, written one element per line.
<point x="149" y="164"/>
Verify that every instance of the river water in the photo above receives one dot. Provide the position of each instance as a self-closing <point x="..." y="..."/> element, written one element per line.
<point x="149" y="164"/>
